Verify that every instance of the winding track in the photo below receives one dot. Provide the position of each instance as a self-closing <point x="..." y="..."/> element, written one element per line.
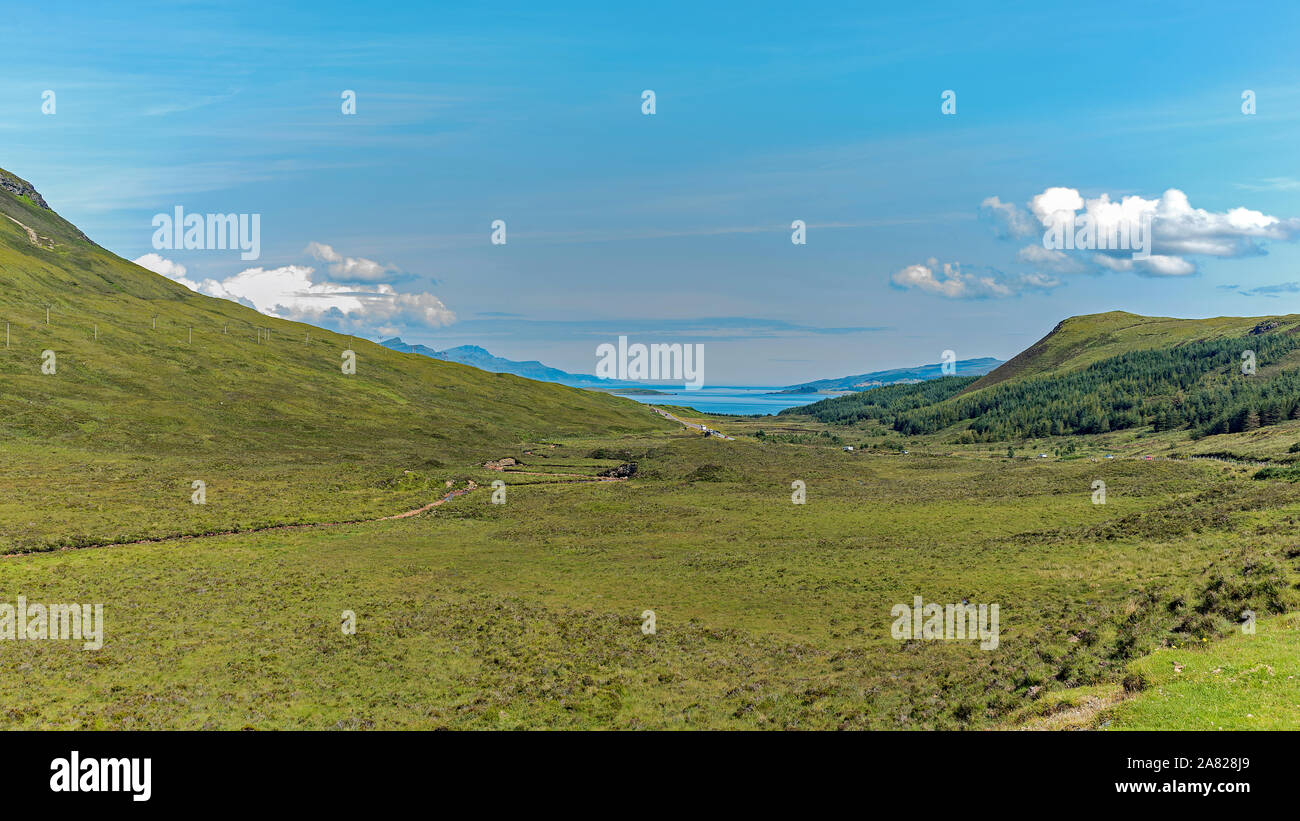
<point x="315" y="525"/>
<point x="31" y="235"/>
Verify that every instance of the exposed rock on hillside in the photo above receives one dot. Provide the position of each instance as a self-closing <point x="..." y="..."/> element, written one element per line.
<point x="21" y="188"/>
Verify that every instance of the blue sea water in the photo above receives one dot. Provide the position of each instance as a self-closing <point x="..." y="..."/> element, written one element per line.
<point x="730" y="400"/>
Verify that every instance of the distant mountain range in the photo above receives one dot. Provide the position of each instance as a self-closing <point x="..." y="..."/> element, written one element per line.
<point x="897" y="376"/>
<point x="482" y="359"/>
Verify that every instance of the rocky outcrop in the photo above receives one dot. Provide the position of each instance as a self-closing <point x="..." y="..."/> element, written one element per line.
<point x="623" y="471"/>
<point x="17" y="186"/>
<point x="20" y="187"/>
<point x="502" y="464"/>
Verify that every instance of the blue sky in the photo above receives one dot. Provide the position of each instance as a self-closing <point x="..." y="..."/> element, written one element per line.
<point x="675" y="227"/>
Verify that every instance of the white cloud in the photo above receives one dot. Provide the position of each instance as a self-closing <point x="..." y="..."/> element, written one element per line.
<point x="161" y="265"/>
<point x="1051" y="259"/>
<point x="1054" y="201"/>
<point x="950" y="281"/>
<point x="297" y="292"/>
<point x="1010" y="219"/>
<point x="1178" y="230"/>
<point x="1157" y="265"/>
<point x="291" y="292"/>
<point x="349" y="269"/>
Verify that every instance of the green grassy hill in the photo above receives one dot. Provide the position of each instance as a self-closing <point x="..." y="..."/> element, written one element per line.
<point x="1104" y="373"/>
<point x="1084" y="340"/>
<point x="156" y="386"/>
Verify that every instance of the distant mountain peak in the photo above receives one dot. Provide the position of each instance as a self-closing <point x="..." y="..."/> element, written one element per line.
<point x="483" y="359"/>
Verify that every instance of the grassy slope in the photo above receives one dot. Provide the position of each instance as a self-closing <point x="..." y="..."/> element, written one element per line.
<point x="1241" y="682"/>
<point x="1082" y="340"/>
<point x="1244" y="682"/>
<point x="107" y="447"/>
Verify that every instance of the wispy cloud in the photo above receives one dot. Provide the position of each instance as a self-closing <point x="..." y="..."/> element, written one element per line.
<point x="702" y="329"/>
<point x="1271" y="184"/>
<point x="1272" y="291"/>
<point x="181" y="104"/>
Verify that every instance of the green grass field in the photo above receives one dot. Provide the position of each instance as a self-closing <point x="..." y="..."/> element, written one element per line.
<point x="531" y="613"/>
<point x="1245" y="682"/>
<point x="769" y="614"/>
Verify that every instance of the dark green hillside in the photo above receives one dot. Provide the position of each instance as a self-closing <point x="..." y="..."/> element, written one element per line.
<point x="1080" y="341"/>
<point x="1195" y="385"/>
<point x="883" y="404"/>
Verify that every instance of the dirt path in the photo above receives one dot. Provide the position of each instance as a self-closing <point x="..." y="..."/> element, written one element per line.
<point x="583" y="476"/>
<point x="309" y="526"/>
<point x="408" y="514"/>
<point x="31" y="235"/>
<point x="1086" y="715"/>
